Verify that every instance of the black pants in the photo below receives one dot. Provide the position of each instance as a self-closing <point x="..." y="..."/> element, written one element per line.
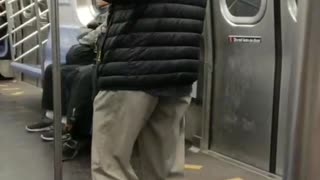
<point x="80" y="103"/>
<point x="76" y="97"/>
<point x="76" y="56"/>
<point x="67" y="71"/>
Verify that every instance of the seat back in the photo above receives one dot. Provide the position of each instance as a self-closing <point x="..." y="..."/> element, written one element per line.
<point x="68" y="38"/>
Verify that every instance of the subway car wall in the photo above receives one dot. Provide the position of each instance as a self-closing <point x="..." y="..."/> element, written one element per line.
<point x="247" y="61"/>
<point x="239" y="103"/>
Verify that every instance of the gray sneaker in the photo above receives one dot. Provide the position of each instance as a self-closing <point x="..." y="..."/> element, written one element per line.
<point x="42" y="126"/>
<point x="49" y="135"/>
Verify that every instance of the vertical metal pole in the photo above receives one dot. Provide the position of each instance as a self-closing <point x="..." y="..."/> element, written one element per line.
<point x="10" y="20"/>
<point x="303" y="161"/>
<point x="208" y="81"/>
<point x="39" y="39"/>
<point x="55" y="34"/>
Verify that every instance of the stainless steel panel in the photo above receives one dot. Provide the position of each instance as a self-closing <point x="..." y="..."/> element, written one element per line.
<point x="289" y="25"/>
<point x="303" y="151"/>
<point x="243" y="89"/>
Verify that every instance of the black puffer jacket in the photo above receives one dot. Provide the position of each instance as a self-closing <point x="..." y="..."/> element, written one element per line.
<point x="151" y="44"/>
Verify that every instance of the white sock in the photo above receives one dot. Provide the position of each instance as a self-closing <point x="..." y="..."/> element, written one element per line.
<point x="49" y="114"/>
<point x="64" y="120"/>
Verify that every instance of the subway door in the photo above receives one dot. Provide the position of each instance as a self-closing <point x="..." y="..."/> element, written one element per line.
<point x="243" y="80"/>
<point x="289" y="11"/>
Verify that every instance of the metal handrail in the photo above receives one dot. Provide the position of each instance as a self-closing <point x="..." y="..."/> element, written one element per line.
<point x="26" y="53"/>
<point x="45" y="11"/>
<point x="3" y="13"/>
<point x="3" y="25"/>
<point x="45" y="27"/>
<point x="9" y="10"/>
<point x="12" y="29"/>
<point x="4" y="37"/>
<point x="22" y="10"/>
<point x="9" y="2"/>
<point x="40" y="53"/>
<point x="24" y="25"/>
<point x="25" y="39"/>
<point x="55" y="34"/>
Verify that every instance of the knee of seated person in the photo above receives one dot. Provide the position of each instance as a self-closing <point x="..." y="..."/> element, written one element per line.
<point x="48" y="69"/>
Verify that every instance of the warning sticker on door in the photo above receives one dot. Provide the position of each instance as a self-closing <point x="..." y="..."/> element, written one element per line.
<point x="244" y="39"/>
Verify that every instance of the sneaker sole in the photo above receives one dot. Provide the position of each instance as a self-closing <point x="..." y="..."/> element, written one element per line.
<point x="38" y="130"/>
<point x="48" y="139"/>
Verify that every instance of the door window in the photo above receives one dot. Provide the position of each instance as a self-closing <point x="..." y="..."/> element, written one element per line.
<point x="244" y="8"/>
<point x="244" y="11"/>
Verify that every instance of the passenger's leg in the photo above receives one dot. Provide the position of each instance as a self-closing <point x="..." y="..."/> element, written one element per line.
<point x="47" y="83"/>
<point x="47" y="104"/>
<point x="118" y="119"/>
<point x="161" y="142"/>
<point x="47" y="98"/>
<point x="68" y="73"/>
<point x="47" y="87"/>
<point x="79" y="112"/>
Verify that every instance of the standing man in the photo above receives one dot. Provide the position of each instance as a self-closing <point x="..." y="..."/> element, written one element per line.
<point x="148" y="61"/>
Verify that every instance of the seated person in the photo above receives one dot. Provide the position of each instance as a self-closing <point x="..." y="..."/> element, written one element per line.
<point x="81" y="54"/>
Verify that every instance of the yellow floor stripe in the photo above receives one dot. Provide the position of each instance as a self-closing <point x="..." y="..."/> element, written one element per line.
<point x="17" y="93"/>
<point x="235" y="179"/>
<point x="192" y="167"/>
<point x="10" y="89"/>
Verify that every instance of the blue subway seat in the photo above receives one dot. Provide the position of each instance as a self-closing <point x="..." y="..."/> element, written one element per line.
<point x="68" y="37"/>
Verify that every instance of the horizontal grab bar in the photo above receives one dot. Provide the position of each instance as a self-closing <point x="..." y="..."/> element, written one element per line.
<point x="25" y="39"/>
<point x="45" y="11"/>
<point x="23" y="25"/>
<point x="4" y="37"/>
<point x="45" y="26"/>
<point x="26" y="53"/>
<point x="22" y="10"/>
<point x="3" y="13"/>
<point x="3" y="25"/>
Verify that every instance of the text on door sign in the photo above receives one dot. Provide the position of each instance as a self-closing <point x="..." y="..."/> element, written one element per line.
<point x="244" y="39"/>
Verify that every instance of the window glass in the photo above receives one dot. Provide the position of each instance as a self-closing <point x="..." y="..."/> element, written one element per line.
<point x="243" y="11"/>
<point x="244" y="8"/>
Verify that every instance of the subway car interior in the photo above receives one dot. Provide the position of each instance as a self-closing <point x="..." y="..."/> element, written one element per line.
<point x="253" y="113"/>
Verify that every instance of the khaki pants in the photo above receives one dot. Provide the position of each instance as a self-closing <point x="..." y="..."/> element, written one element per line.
<point x="125" y="118"/>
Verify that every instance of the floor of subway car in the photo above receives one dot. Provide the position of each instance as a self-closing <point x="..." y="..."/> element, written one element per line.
<point x="26" y="156"/>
